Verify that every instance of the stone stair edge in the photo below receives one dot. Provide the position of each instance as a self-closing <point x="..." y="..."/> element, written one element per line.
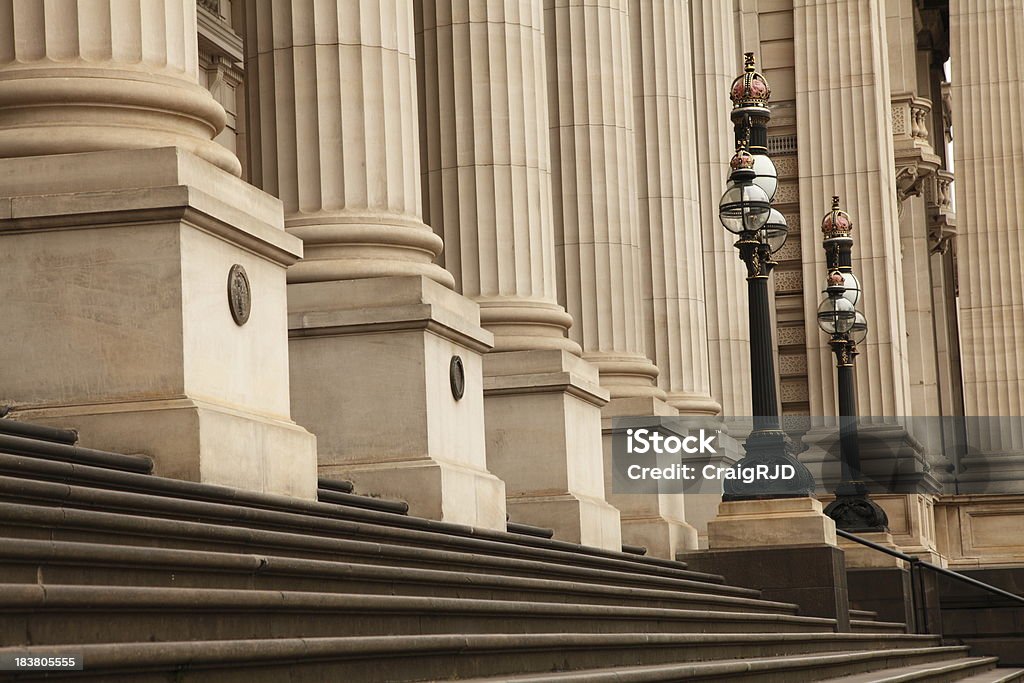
<point x="38" y="598"/>
<point x="221" y="653"/>
<point x="73" y="519"/>
<point x="168" y="488"/>
<point x="70" y="553"/>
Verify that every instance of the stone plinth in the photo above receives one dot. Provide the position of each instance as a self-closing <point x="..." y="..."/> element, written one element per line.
<point x="543" y="417"/>
<point x="117" y="319"/>
<point x="655" y="521"/>
<point x="372" y="377"/>
<point x="770" y="523"/>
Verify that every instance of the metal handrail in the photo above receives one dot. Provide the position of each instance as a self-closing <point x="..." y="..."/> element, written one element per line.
<point x="916" y="563"/>
<point x="928" y="565"/>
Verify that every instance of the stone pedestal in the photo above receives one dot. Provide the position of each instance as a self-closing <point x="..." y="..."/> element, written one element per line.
<point x="654" y="521"/>
<point x="373" y="362"/>
<point x="118" y="318"/>
<point x="885" y="590"/>
<point x="859" y="556"/>
<point x="543" y="417"/>
<point x="785" y="547"/>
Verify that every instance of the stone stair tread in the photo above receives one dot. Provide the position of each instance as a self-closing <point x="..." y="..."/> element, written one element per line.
<point x="37" y="598"/>
<point x="863" y="614"/>
<point x="920" y="672"/>
<point x="339" y="485"/>
<point x="394" y="507"/>
<point x="727" y="669"/>
<point x="61" y="523"/>
<point x="183" y="493"/>
<point x="109" y="556"/>
<point x="999" y="675"/>
<point x="218" y="655"/>
<point x="877" y="625"/>
<point x="73" y="455"/>
<point x="38" y="431"/>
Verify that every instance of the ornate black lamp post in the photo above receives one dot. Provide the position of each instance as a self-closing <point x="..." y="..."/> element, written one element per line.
<point x="853" y="509"/>
<point x="745" y="210"/>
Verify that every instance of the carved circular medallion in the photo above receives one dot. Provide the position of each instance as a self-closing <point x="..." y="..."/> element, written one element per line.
<point x="239" y="294"/>
<point x="457" y="377"/>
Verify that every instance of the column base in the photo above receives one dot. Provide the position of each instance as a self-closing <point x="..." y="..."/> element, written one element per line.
<point x="543" y="424"/>
<point x="125" y="315"/>
<point x="388" y="373"/>
<point x="769" y="523"/>
<point x="197" y="442"/>
<point x="654" y="521"/>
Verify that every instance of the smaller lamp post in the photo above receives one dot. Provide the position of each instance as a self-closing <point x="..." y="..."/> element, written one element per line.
<point x="853" y="510"/>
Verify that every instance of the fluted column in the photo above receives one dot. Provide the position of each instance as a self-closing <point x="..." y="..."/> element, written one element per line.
<point x="334" y="134"/>
<point x="595" y="198"/>
<point x="671" y="251"/>
<point x="984" y="39"/>
<point x="715" y="64"/>
<point x="987" y="86"/>
<point x="487" y="165"/>
<point x="487" y="178"/>
<point x="104" y="75"/>
<point x="847" y="150"/>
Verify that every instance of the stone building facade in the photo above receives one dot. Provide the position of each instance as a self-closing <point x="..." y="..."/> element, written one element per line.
<point x="475" y="232"/>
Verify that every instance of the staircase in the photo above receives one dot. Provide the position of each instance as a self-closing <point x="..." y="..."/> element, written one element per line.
<point x="153" y="579"/>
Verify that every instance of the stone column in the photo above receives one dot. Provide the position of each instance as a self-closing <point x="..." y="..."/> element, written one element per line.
<point x="597" y="229"/>
<point x="386" y="359"/>
<point x="989" y="184"/>
<point x="671" y="250"/>
<point x="848" y="151"/>
<point x="144" y="283"/>
<point x="487" y="180"/>
<point x="715" y="63"/>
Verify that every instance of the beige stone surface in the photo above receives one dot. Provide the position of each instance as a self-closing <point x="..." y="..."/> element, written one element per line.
<point x="370" y="362"/>
<point x="981" y="530"/>
<point x="859" y="556"/>
<point x="543" y="417"/>
<point x="765" y="523"/>
<point x="118" y="319"/>
<point x="88" y="77"/>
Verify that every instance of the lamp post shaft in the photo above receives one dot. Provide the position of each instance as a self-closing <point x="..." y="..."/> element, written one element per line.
<point x="762" y="360"/>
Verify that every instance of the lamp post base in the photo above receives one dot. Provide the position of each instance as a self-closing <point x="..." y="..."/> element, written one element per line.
<point x="769" y="469"/>
<point x="854" y="511"/>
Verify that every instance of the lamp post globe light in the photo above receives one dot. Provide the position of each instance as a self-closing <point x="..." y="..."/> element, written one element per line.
<point x="853" y="510"/>
<point x="745" y="210"/>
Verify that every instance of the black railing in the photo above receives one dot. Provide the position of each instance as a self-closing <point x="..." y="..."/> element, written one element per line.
<point x="918" y="598"/>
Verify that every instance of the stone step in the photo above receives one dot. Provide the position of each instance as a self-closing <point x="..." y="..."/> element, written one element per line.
<point x="20" y="520"/>
<point x="234" y="506"/>
<point x="528" y="530"/>
<point x="871" y="625"/>
<point x="34" y="431"/>
<point x="67" y="454"/>
<point x="974" y="668"/>
<point x="773" y="657"/>
<point x="339" y="485"/>
<point x="863" y="614"/>
<point x="394" y="507"/>
<point x="32" y="614"/>
<point x="786" y="669"/>
<point x="56" y="562"/>
<point x="1000" y="675"/>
